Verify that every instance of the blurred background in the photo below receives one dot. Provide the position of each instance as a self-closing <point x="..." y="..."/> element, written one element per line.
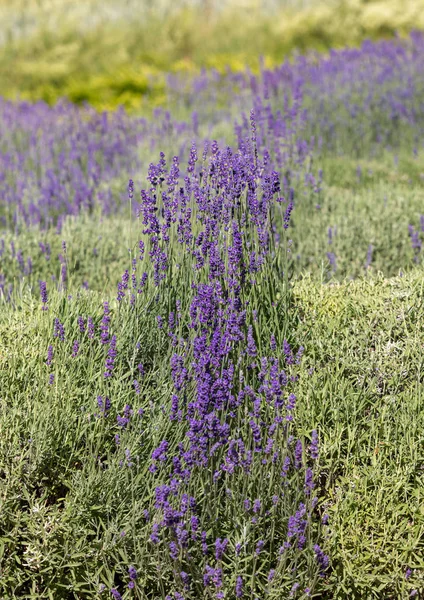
<point x="120" y="52"/>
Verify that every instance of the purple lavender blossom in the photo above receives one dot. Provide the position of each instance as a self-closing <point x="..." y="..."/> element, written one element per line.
<point x="58" y="330"/>
<point x="298" y="454"/>
<point x="132" y="573"/>
<point x="309" y="481"/>
<point x="259" y="547"/>
<point x="44" y="296"/>
<point x="75" y="349"/>
<point x="314" y="446"/>
<point x="104" y="325"/>
<point x="104" y="405"/>
<point x="81" y="324"/>
<point x="287" y="215"/>
<point x="251" y="346"/>
<point x="220" y="547"/>
<point x="50" y="353"/>
<point x="322" y="560"/>
<point x="123" y="286"/>
<point x="154" y="536"/>
<point x="239" y="587"/>
<point x="110" y="360"/>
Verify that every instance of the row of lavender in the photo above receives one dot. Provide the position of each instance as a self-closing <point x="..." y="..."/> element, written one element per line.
<point x="358" y="101"/>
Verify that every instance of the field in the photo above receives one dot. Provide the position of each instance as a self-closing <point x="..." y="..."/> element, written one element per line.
<point x="212" y="314"/>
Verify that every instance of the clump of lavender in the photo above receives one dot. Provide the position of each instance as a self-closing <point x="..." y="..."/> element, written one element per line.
<point x="232" y="407"/>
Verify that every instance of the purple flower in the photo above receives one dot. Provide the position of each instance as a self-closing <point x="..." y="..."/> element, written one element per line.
<point x="75" y="349"/>
<point x="298" y="454"/>
<point x="130" y="189"/>
<point x="259" y="547"/>
<point x="220" y="547"/>
<point x="212" y="577"/>
<point x="154" y="536"/>
<point x="322" y="559"/>
<point x="58" y="330"/>
<point x="141" y="249"/>
<point x="297" y="525"/>
<point x="43" y="292"/>
<point x="287" y="215"/>
<point x="123" y="286"/>
<point x="81" y="324"/>
<point x="288" y="353"/>
<point x="104" y="405"/>
<point x="286" y="467"/>
<point x="332" y="260"/>
<point x="110" y="360"/>
<point x="63" y="275"/>
<point x="185" y="578"/>
<point x="104" y="325"/>
<point x="173" y="550"/>
<point x="50" y="353"/>
<point x="239" y="587"/>
<point x="309" y="481"/>
<point x="251" y="346"/>
<point x="51" y="379"/>
<point x="204" y="544"/>
<point x="116" y="594"/>
<point x="132" y="572"/>
<point x="160" y="453"/>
